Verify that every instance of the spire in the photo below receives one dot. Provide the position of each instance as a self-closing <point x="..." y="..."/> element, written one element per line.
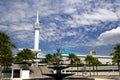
<point x="37" y="22"/>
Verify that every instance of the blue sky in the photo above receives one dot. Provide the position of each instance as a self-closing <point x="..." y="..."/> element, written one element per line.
<point x="76" y="25"/>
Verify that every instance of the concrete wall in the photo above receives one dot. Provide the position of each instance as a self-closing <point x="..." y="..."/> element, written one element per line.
<point x="25" y="74"/>
<point x="99" y="73"/>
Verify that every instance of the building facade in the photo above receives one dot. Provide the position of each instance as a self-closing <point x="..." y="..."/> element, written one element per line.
<point x="102" y="59"/>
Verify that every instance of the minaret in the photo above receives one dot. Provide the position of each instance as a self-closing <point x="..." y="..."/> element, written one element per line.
<point x="37" y="31"/>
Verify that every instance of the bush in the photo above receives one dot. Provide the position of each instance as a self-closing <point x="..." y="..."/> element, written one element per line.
<point x="25" y="68"/>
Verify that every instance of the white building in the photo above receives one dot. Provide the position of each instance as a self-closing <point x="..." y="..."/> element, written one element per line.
<point x="102" y="59"/>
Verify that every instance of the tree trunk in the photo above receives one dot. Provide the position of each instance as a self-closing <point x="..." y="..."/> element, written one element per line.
<point x="71" y="67"/>
<point x="93" y="70"/>
<point x="1" y="72"/>
<point x="89" y="70"/>
<point x="97" y="70"/>
<point x="119" y="68"/>
<point x="77" y="69"/>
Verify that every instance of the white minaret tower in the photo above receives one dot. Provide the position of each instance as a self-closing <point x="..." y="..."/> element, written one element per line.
<point x="36" y="49"/>
<point x="37" y="31"/>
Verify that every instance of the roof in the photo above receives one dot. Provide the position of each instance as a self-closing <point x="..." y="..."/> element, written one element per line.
<point x="64" y="52"/>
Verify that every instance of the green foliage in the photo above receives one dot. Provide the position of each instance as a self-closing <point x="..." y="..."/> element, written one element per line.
<point x="77" y="61"/>
<point x="49" y="58"/>
<point x="90" y="60"/>
<point x="55" y="58"/>
<point x="5" y="41"/>
<point x="97" y="62"/>
<point x="74" y="60"/>
<point x="6" y="56"/>
<point x="6" y="60"/>
<point x="24" y="56"/>
<point x="116" y="56"/>
<point x="25" y="68"/>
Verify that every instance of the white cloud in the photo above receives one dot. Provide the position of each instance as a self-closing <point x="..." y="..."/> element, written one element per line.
<point x="3" y="27"/>
<point x="92" y="18"/>
<point x="70" y="10"/>
<point x="20" y="33"/>
<point x="21" y="27"/>
<point x="73" y="1"/>
<point x="15" y="13"/>
<point x="102" y="15"/>
<point x="71" y="33"/>
<point x="55" y="34"/>
<point x="109" y="37"/>
<point x="18" y="19"/>
<point x="21" y="36"/>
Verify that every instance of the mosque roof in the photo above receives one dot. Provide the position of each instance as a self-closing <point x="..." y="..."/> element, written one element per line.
<point x="64" y="52"/>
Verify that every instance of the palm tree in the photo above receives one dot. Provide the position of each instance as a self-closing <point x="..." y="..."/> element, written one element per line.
<point x="93" y="64"/>
<point x="25" y="55"/>
<point x="55" y="58"/>
<point x="89" y="61"/>
<point x="6" y="46"/>
<point x="71" y="58"/>
<point x="97" y="63"/>
<point x="77" y="62"/>
<point x="6" y="57"/>
<point x="49" y="58"/>
<point x="116" y="56"/>
<point x="5" y="41"/>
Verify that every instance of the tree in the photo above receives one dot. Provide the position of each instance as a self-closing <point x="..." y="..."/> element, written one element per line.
<point x="97" y="63"/>
<point x="5" y="41"/>
<point x="6" y="57"/>
<point x="89" y="61"/>
<point x="49" y="58"/>
<point x="55" y="58"/>
<point x="93" y="62"/>
<point x="77" y="62"/>
<point x="6" y="46"/>
<point x="71" y="58"/>
<point x="24" y="56"/>
<point x="116" y="56"/>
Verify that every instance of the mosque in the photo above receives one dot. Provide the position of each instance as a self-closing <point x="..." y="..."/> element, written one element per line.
<point x="37" y="51"/>
<point x="18" y="72"/>
<point x="39" y="56"/>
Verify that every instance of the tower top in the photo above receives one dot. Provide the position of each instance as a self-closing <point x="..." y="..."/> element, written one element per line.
<point x="37" y="23"/>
